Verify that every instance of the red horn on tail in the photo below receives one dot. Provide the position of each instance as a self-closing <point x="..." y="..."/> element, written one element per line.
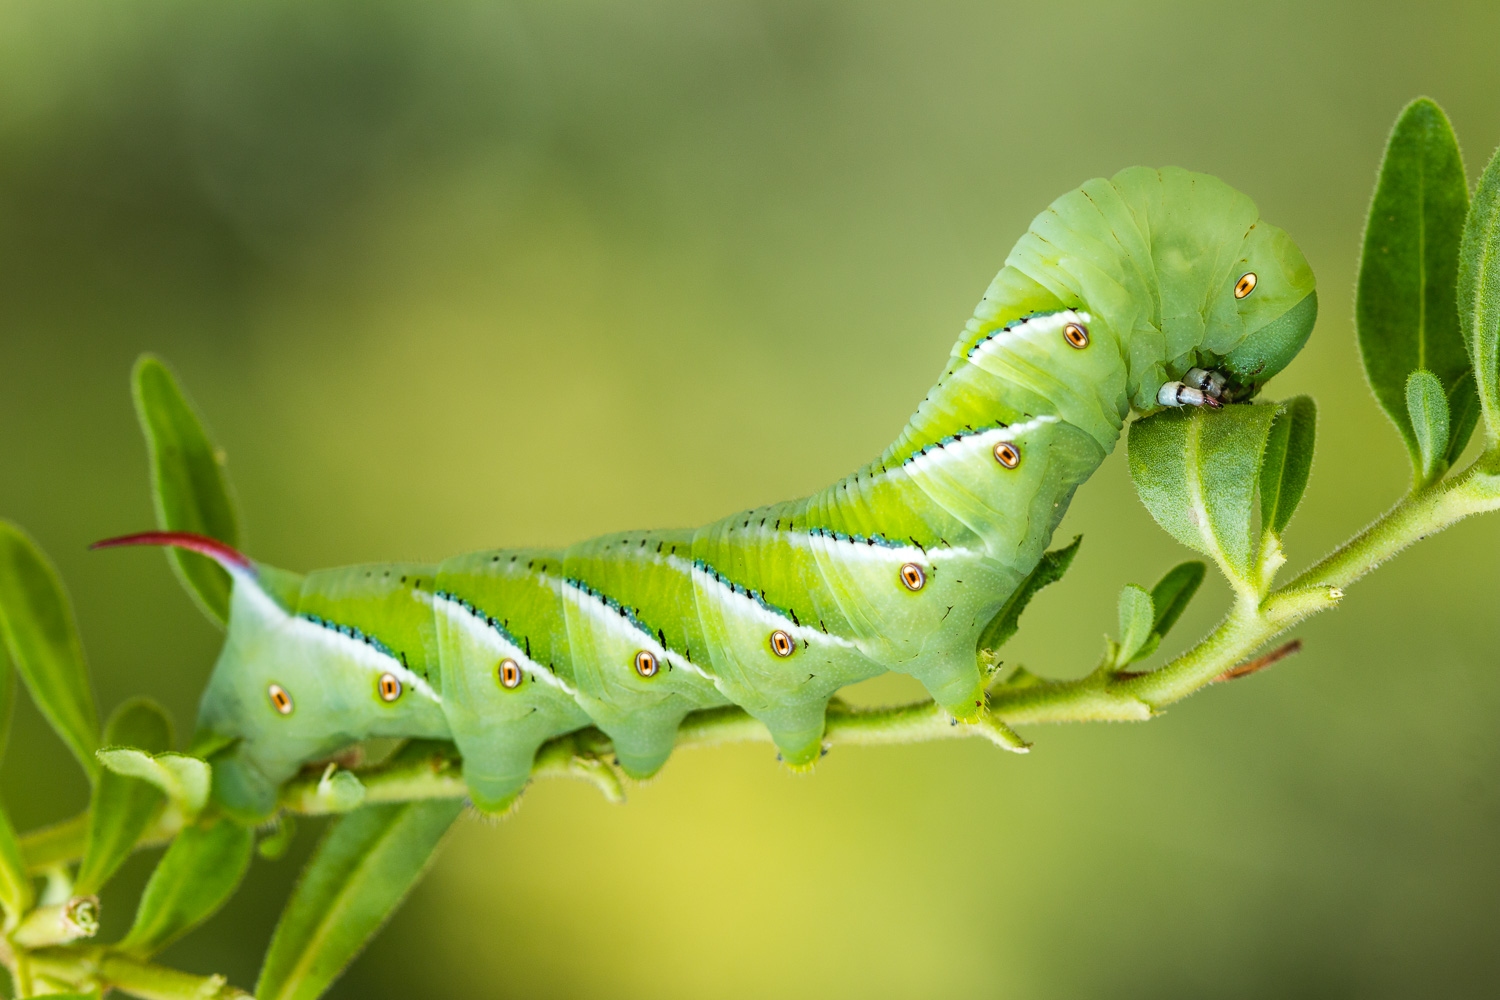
<point x="225" y="555"/>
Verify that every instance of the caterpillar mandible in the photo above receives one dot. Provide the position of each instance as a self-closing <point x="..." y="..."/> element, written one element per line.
<point x="1151" y="288"/>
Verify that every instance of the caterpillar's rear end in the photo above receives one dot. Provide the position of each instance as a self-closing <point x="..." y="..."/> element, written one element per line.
<point x="1154" y="287"/>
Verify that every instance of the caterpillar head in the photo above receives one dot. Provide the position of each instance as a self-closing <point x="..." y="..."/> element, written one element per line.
<point x="1270" y="293"/>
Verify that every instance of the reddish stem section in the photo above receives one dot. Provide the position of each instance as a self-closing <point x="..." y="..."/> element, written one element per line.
<point x="224" y="555"/>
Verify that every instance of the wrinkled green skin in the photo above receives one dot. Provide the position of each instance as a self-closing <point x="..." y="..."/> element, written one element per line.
<point x="1147" y="261"/>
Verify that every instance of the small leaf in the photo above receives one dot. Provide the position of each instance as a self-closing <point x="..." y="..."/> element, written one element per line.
<point x="1463" y="409"/>
<point x="1196" y="473"/>
<point x="193" y="879"/>
<point x="188" y="481"/>
<point x="1288" y="462"/>
<point x="1173" y="592"/>
<point x="122" y="807"/>
<point x="1479" y="292"/>
<point x="364" y="867"/>
<point x="185" y="780"/>
<point x="1427" y="406"/>
<point x="1405" y="307"/>
<point x="1136" y="617"/>
<point x="17" y="894"/>
<point x="1048" y="571"/>
<point x="36" y="624"/>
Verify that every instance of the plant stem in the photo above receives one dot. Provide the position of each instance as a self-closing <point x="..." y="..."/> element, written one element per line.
<point x="85" y="967"/>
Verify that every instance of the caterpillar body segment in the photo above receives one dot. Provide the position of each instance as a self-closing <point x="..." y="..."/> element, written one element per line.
<point x="1119" y="289"/>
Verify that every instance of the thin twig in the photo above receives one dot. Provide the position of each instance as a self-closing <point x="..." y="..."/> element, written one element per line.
<point x="1261" y="662"/>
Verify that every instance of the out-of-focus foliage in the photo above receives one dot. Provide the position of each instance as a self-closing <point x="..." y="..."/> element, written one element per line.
<point x="449" y="276"/>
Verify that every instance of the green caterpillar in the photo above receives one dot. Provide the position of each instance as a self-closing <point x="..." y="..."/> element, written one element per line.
<point x="1152" y="288"/>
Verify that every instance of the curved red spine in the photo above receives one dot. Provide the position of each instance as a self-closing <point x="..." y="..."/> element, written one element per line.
<point x="225" y="555"/>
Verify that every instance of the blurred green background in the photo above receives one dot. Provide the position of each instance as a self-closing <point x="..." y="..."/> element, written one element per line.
<point x="456" y="275"/>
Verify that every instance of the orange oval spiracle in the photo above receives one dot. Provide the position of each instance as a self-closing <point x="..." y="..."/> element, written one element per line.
<point x="280" y="700"/>
<point x="782" y="644"/>
<point x="646" y="664"/>
<point x="1007" y="454"/>
<point x="1077" y="335"/>
<point x="509" y="673"/>
<point x="1245" y="285"/>
<point x="913" y="578"/>
<point x="389" y="687"/>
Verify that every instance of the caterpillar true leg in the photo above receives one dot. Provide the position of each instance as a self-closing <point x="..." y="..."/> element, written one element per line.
<point x="1178" y="394"/>
<point x="1209" y="382"/>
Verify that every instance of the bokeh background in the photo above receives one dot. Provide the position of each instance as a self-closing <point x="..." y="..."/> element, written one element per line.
<point x="458" y="275"/>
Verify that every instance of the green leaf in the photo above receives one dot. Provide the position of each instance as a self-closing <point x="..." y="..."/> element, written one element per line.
<point x="1173" y="592"/>
<point x="1427" y="405"/>
<point x="122" y="807"/>
<point x="1479" y="292"/>
<point x="193" y="879"/>
<point x="1048" y="571"/>
<point x="1287" y="463"/>
<point x="185" y="780"/>
<point x="17" y="894"/>
<point x="1406" y="308"/>
<point x="16" y="891"/>
<point x="1170" y="598"/>
<point x="36" y="624"/>
<point x="1463" y="409"/>
<point x="1136" y="618"/>
<point x="364" y="867"/>
<point x="1196" y="473"/>
<point x="7" y="690"/>
<point x="188" y="481"/>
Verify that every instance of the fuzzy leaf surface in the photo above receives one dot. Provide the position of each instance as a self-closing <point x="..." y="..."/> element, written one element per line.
<point x="1136" y="616"/>
<point x="1479" y="292"/>
<point x="1196" y="472"/>
<point x="1427" y="406"/>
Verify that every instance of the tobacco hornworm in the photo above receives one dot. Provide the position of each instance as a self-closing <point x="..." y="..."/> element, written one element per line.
<point x="1152" y="288"/>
